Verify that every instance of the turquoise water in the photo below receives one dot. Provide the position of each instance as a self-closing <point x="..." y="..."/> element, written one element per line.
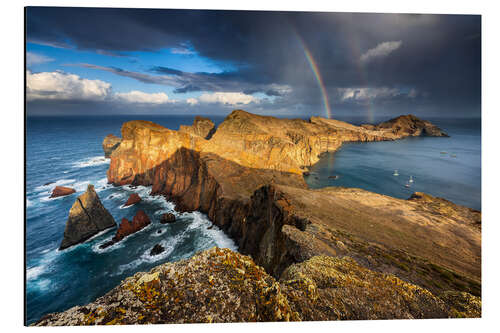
<point x="444" y="167"/>
<point x="68" y="151"/>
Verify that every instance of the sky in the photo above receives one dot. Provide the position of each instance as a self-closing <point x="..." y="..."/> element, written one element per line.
<point x="104" y="61"/>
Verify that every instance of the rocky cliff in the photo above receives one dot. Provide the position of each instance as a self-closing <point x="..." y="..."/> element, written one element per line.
<point x="109" y="144"/>
<point x="219" y="285"/>
<point x="202" y="127"/>
<point x="259" y="142"/>
<point x="87" y="217"/>
<point x="248" y="178"/>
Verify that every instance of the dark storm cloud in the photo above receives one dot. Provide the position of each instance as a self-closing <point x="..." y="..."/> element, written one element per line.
<point x="188" y="82"/>
<point x="439" y="56"/>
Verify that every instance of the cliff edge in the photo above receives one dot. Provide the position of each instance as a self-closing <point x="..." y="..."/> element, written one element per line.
<point x="219" y="285"/>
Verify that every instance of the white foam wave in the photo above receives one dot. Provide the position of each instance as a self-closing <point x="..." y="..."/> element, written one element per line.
<point x="202" y="222"/>
<point x="49" y="187"/>
<point x="33" y="272"/>
<point x="119" y="244"/>
<point x="147" y="258"/>
<point x="91" y="162"/>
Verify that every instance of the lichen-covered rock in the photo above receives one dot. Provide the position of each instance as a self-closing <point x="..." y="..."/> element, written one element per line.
<point x="110" y="143"/>
<point x="87" y="217"/>
<point x="327" y="288"/>
<point x="219" y="285"/>
<point x="60" y="191"/>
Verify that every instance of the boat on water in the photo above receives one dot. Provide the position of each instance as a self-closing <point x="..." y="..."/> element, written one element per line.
<point x="395" y="173"/>
<point x="411" y="179"/>
<point x="407" y="185"/>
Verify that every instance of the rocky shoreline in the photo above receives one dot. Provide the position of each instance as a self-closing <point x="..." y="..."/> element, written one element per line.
<point x="247" y="177"/>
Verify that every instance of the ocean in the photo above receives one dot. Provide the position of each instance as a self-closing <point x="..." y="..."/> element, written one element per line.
<point x="444" y="167"/>
<point x="67" y="151"/>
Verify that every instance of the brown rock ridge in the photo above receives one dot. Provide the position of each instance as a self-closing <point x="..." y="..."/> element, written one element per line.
<point x="202" y="127"/>
<point x="408" y="125"/>
<point x="60" y="191"/>
<point x="87" y="217"/>
<point x="262" y="142"/>
<point x="109" y="144"/>
<point x="227" y="177"/>
<point x="219" y="285"/>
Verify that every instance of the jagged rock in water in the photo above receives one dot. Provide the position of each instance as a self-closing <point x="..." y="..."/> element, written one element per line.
<point x="109" y="144"/>
<point x="140" y="221"/>
<point x="156" y="250"/>
<point x="218" y="285"/>
<point x="132" y="200"/>
<point x="167" y="218"/>
<point x="60" y="191"/>
<point x="87" y="217"/>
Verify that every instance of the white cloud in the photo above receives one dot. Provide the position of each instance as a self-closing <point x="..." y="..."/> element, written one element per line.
<point x="230" y="98"/>
<point x="192" y="101"/>
<point x="35" y="59"/>
<point x="64" y="86"/>
<point x="136" y="96"/>
<point x="364" y="94"/>
<point x="181" y="50"/>
<point x="367" y="94"/>
<point x="381" y="50"/>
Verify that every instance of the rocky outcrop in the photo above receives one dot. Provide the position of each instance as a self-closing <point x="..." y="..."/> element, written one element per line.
<point x="258" y="142"/>
<point x="60" y="191"/>
<point x="87" y="217"/>
<point x="156" y="250"/>
<point x="248" y="179"/>
<point x="126" y="228"/>
<point x="167" y="218"/>
<point x="132" y="200"/>
<point x="109" y="144"/>
<point x="202" y="127"/>
<point x="228" y="177"/>
<point x="219" y="285"/>
<point x="410" y="125"/>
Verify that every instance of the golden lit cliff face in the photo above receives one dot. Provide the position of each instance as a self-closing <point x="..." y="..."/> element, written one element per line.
<point x="260" y="142"/>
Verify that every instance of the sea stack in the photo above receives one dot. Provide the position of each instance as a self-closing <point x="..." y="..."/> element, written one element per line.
<point x="110" y="143"/>
<point x="87" y="217"/>
<point x="132" y="200"/>
<point x="60" y="191"/>
<point x="140" y="221"/>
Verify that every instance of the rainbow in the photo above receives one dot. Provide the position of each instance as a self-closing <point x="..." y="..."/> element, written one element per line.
<point x="317" y="75"/>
